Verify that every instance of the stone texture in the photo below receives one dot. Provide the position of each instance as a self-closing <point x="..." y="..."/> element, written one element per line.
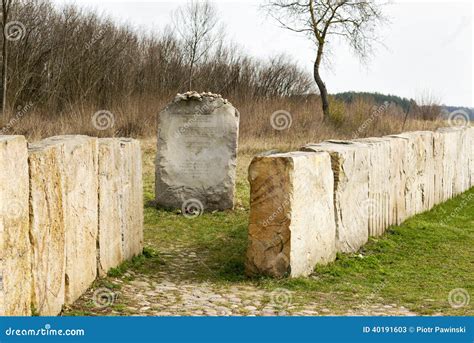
<point x="15" y="256"/>
<point x="450" y="149"/>
<point x="461" y="171"/>
<point x="78" y="168"/>
<point x="197" y="151"/>
<point x="291" y="226"/>
<point x="419" y="171"/>
<point x="120" y="202"/>
<point x="470" y="135"/>
<point x="350" y="162"/>
<point x="47" y="233"/>
<point x="443" y="143"/>
<point x="381" y="176"/>
<point x="463" y="183"/>
<point x="398" y="151"/>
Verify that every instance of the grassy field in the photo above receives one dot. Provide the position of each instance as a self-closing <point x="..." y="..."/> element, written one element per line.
<point x="414" y="265"/>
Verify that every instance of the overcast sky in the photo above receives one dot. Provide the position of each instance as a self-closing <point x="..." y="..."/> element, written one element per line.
<point x="429" y="45"/>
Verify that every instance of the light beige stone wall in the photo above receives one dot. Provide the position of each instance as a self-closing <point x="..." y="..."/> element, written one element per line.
<point x="387" y="179"/>
<point x="398" y="179"/>
<point x="419" y="171"/>
<point x="292" y="224"/>
<point x="350" y="164"/>
<point x="120" y="202"/>
<point x="460" y="153"/>
<point x="470" y="135"/>
<point x="15" y="255"/>
<point x="78" y="169"/>
<point x="51" y="248"/>
<point x="47" y="230"/>
<point x="378" y="207"/>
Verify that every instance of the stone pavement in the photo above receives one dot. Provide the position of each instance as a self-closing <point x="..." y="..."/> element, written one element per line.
<point x="173" y="291"/>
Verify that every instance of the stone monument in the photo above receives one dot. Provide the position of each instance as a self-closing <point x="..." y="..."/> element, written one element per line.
<point x="197" y="152"/>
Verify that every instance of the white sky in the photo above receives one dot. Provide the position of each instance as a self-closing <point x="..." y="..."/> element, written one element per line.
<point x="429" y="45"/>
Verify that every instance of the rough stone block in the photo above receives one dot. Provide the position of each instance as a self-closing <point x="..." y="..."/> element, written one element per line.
<point x="292" y="226"/>
<point x="47" y="232"/>
<point x="439" y="142"/>
<point x="15" y="255"/>
<point x="456" y="166"/>
<point x="462" y="177"/>
<point x="197" y="151"/>
<point x="398" y="152"/>
<point x="120" y="202"/>
<point x="445" y="159"/>
<point x="379" y="207"/>
<point x="470" y="135"/>
<point x="419" y="171"/>
<point x="78" y="168"/>
<point x="350" y="162"/>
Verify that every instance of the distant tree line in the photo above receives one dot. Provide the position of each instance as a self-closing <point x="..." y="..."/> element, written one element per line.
<point x="378" y="98"/>
<point x="61" y="58"/>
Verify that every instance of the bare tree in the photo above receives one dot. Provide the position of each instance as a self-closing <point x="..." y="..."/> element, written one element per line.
<point x="355" y="21"/>
<point x="6" y="4"/>
<point x="196" y="24"/>
<point x="68" y="58"/>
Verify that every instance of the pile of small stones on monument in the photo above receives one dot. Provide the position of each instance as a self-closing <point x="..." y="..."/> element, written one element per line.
<point x="72" y="209"/>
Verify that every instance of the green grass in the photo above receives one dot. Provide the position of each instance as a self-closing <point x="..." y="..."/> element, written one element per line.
<point x="218" y="238"/>
<point x="414" y="265"/>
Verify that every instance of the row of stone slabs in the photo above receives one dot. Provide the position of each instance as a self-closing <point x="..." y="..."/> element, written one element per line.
<point x="71" y="209"/>
<point x="330" y="197"/>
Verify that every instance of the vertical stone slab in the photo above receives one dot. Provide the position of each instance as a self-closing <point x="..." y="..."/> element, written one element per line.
<point x="350" y="163"/>
<point x="110" y="251"/>
<point x="291" y="226"/>
<point x="419" y="169"/>
<point x="457" y="161"/>
<point x="197" y="151"/>
<point x="381" y="178"/>
<point x="439" y="160"/>
<point x="446" y="150"/>
<point x="470" y="135"/>
<point x="428" y="170"/>
<point x="120" y="202"/>
<point x="461" y="176"/>
<point x="398" y="152"/>
<point x="462" y="181"/>
<point x="132" y="171"/>
<point x="47" y="234"/>
<point x="79" y="184"/>
<point x="15" y="256"/>
<point x="410" y="173"/>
